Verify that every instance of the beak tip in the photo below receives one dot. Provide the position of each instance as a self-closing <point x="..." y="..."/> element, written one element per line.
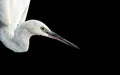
<point x="77" y="47"/>
<point x="59" y="38"/>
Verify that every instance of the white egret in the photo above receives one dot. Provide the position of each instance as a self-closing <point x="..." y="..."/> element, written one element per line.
<point x="15" y="32"/>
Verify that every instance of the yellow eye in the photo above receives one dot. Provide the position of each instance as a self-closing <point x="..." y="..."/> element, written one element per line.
<point x="42" y="28"/>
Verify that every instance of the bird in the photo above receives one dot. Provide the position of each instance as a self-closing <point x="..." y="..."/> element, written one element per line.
<point x="16" y="31"/>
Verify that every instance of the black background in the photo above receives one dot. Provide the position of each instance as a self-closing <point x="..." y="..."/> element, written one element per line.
<point x="81" y="22"/>
<point x="67" y="18"/>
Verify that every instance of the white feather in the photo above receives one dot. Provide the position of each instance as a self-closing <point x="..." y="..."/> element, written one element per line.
<point x="15" y="32"/>
<point x="13" y="12"/>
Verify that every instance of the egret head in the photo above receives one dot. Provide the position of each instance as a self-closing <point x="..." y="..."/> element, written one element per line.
<point x="39" y="28"/>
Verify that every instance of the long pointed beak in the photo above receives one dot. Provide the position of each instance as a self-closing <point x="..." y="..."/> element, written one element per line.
<point x="53" y="35"/>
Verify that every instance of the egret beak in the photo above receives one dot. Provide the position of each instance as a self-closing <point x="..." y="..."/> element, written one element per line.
<point x="53" y="35"/>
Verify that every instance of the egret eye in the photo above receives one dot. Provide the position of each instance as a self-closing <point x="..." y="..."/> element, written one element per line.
<point x="42" y="28"/>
